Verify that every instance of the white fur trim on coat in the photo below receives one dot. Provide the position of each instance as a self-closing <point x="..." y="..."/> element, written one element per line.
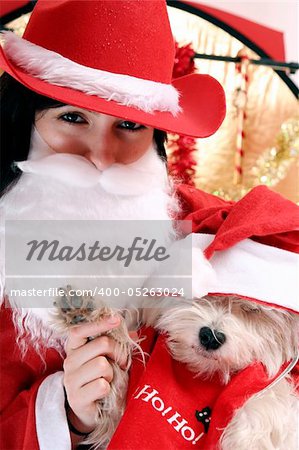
<point x="254" y="270"/>
<point x="51" y="422"/>
<point x="146" y="95"/>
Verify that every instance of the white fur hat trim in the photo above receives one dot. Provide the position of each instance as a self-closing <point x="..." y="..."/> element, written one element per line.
<point x="146" y="95"/>
<point x="256" y="271"/>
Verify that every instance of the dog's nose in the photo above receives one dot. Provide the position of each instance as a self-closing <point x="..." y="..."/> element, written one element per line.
<point x="211" y="339"/>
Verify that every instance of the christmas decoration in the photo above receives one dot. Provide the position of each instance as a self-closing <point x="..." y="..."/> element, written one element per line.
<point x="183" y="62"/>
<point x="240" y="102"/>
<point x="181" y="162"/>
<point x="272" y="166"/>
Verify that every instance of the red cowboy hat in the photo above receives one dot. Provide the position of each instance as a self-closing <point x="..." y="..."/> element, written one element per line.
<point x="113" y="57"/>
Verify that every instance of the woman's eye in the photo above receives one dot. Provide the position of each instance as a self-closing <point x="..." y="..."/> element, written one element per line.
<point x="131" y="126"/>
<point x="72" y="118"/>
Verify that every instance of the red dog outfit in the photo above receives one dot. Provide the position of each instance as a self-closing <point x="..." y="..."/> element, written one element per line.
<point x="171" y="408"/>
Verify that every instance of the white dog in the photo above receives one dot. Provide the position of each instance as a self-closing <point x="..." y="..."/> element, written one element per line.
<point x="225" y="335"/>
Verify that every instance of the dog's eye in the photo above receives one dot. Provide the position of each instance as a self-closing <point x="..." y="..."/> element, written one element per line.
<point x="250" y="308"/>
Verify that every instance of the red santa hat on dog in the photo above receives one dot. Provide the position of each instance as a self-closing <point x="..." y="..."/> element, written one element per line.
<point x="113" y="57"/>
<point x="254" y="246"/>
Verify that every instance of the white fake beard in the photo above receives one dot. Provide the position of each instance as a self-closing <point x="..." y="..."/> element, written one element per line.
<point x="58" y="186"/>
<point x="62" y="186"/>
<point x="41" y="197"/>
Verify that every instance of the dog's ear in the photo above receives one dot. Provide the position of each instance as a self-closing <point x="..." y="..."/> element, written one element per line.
<point x="154" y="308"/>
<point x="150" y="316"/>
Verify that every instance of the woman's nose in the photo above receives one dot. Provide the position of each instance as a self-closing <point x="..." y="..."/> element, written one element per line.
<point x="101" y="155"/>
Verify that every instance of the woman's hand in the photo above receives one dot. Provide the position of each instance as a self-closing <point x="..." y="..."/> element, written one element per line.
<point x="87" y="371"/>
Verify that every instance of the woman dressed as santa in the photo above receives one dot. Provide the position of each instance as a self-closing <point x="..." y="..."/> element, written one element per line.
<point x="86" y="100"/>
<point x="84" y="97"/>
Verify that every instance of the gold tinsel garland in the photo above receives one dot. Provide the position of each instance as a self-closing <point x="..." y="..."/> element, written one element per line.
<point x="272" y="165"/>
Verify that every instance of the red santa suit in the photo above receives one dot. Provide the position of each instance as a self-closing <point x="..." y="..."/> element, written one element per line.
<point x="32" y="399"/>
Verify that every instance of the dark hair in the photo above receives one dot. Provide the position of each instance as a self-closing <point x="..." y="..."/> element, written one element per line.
<point x="18" y="106"/>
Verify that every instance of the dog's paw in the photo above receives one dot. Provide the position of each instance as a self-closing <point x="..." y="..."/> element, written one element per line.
<point x="73" y="308"/>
